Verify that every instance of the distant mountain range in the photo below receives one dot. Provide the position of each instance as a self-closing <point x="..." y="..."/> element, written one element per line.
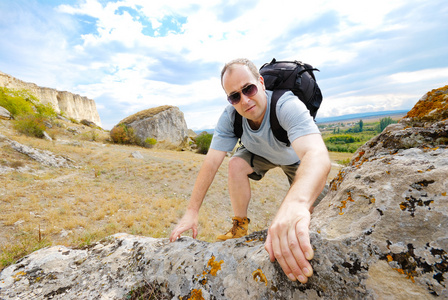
<point x="358" y="116"/>
<point x="348" y="117"/>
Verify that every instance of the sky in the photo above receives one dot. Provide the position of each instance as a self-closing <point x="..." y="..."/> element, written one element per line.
<point x="132" y="55"/>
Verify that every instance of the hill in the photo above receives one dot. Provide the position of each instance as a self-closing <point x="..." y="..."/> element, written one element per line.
<point x="109" y="188"/>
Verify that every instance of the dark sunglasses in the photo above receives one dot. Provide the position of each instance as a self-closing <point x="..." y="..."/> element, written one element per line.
<point x="248" y="91"/>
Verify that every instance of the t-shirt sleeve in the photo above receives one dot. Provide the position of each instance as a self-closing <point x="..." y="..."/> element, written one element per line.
<point x="224" y="138"/>
<point x="294" y="117"/>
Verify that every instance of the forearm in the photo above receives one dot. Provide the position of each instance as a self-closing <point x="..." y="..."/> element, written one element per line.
<point x="205" y="178"/>
<point x="310" y="178"/>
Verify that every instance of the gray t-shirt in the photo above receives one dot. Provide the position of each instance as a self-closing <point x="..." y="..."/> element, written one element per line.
<point x="293" y="116"/>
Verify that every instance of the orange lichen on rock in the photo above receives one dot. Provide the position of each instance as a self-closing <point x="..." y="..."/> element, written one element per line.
<point x="408" y="276"/>
<point x="214" y="265"/>
<point x="259" y="276"/>
<point x="196" y="295"/>
<point x="17" y="276"/>
<point x="344" y="202"/>
<point x="334" y="184"/>
<point x="432" y="106"/>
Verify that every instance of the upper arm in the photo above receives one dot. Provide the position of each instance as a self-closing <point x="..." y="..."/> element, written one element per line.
<point x="294" y="117"/>
<point x="310" y="144"/>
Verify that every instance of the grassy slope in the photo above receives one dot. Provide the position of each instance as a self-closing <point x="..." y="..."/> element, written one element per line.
<point x="110" y="192"/>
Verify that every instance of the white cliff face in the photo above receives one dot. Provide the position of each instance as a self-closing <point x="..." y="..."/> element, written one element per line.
<point x="73" y="105"/>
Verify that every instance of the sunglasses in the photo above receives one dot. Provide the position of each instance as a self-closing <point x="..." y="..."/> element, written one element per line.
<point x="248" y="91"/>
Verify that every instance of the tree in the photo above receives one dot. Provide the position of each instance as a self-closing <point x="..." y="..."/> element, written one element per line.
<point x="384" y="122"/>
<point x="203" y="142"/>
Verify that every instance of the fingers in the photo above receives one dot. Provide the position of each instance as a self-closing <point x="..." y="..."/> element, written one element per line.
<point x="291" y="247"/>
<point x="303" y="235"/>
<point x="298" y="262"/>
<point x="268" y="247"/>
<point x="175" y="234"/>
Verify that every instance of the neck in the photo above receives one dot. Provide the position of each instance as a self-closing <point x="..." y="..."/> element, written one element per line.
<point x="254" y="125"/>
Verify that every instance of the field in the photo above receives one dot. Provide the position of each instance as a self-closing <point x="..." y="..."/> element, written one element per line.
<point x="348" y="136"/>
<point x="109" y="191"/>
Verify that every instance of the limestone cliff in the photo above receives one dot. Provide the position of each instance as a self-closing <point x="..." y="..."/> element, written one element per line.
<point x="73" y="105"/>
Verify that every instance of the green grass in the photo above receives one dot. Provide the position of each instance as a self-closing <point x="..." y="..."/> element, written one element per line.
<point x="341" y="137"/>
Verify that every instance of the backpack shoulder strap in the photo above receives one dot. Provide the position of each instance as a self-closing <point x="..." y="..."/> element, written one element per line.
<point x="278" y="131"/>
<point x="238" y="125"/>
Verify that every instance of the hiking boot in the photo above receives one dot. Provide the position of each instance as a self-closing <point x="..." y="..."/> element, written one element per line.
<point x="238" y="230"/>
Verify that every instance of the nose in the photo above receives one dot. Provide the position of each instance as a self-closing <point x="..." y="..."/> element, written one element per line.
<point x="244" y="98"/>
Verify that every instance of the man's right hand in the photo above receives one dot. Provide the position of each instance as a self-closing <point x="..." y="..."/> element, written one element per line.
<point x="188" y="221"/>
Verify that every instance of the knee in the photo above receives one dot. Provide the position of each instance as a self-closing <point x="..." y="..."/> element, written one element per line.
<point x="238" y="166"/>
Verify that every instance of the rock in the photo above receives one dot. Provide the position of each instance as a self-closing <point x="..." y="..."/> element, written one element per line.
<point x="166" y="124"/>
<point x="5" y="114"/>
<point x="114" y="267"/>
<point x="88" y="123"/>
<point x="42" y="156"/>
<point x="380" y="233"/>
<point x="74" y="106"/>
<point x="137" y="154"/>
<point x="47" y="137"/>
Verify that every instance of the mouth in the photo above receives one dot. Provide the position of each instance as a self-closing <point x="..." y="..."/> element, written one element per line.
<point x="250" y="108"/>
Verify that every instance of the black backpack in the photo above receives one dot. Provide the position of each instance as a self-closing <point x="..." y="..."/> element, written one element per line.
<point x="279" y="77"/>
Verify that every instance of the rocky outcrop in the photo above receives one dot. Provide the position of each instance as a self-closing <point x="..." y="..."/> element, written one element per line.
<point x="380" y="233"/>
<point x="44" y="157"/>
<point x="165" y="123"/>
<point x="73" y="105"/>
<point x="5" y="114"/>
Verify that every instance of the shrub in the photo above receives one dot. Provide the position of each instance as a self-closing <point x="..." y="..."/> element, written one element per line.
<point x="45" y="110"/>
<point x="123" y="134"/>
<point x="21" y="102"/>
<point x="203" y="142"/>
<point x="30" y="125"/>
<point x="150" y="142"/>
<point x="29" y="113"/>
<point x="342" y="139"/>
<point x="16" y="102"/>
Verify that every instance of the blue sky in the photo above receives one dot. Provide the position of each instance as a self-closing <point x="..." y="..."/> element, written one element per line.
<point x="132" y="55"/>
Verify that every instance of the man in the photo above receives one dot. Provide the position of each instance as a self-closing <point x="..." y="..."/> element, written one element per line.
<point x="306" y="163"/>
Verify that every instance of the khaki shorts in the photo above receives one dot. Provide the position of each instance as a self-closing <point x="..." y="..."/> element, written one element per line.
<point x="261" y="165"/>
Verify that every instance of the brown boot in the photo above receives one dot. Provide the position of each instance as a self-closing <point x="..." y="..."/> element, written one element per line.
<point x="239" y="229"/>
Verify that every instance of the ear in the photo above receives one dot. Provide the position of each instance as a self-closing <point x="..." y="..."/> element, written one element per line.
<point x="261" y="79"/>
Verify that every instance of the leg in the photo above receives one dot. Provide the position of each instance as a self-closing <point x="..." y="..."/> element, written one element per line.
<point x="239" y="186"/>
<point x="242" y="166"/>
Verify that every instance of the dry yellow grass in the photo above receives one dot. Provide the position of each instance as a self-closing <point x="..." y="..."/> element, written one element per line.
<point x="109" y="191"/>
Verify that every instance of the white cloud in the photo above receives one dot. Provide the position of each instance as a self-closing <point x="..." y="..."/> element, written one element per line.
<point x="436" y="74"/>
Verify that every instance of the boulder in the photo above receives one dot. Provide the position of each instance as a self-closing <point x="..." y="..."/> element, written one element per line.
<point x="380" y="233"/>
<point x="5" y="114"/>
<point x="165" y="123"/>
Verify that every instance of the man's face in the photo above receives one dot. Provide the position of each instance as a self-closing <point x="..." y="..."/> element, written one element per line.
<point x="252" y="108"/>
